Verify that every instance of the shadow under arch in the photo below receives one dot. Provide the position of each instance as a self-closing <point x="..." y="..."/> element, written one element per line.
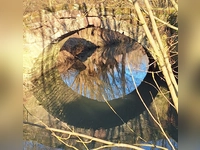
<point x="68" y="106"/>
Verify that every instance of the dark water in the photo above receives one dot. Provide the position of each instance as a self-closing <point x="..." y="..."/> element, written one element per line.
<point x="78" y="98"/>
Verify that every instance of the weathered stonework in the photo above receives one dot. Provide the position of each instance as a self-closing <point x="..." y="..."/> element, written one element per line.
<point x="44" y="35"/>
<point x="43" y="28"/>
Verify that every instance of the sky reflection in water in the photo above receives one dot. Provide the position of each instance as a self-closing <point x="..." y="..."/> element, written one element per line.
<point x="116" y="88"/>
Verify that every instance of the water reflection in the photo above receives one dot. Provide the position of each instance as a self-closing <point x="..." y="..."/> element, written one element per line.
<point x="108" y="73"/>
<point x="97" y="72"/>
<point x="162" y="142"/>
<point x="67" y="90"/>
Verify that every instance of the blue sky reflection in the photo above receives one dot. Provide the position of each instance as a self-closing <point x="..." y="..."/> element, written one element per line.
<point x="116" y="84"/>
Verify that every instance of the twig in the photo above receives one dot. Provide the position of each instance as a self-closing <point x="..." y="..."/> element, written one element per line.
<point x="45" y="126"/>
<point x="161" y="91"/>
<point x="165" y="23"/>
<point x="150" y="145"/>
<point x="159" y="125"/>
<point x="118" y="145"/>
<point x="63" y="141"/>
<point x="91" y="138"/>
<point x="162" y="49"/>
<point x="158" y="56"/>
<point x="174" y="4"/>
<point x="167" y="69"/>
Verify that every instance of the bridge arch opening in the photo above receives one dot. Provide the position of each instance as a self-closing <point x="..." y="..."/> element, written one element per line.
<point x="102" y="64"/>
<point x="109" y="47"/>
<point x="64" y="102"/>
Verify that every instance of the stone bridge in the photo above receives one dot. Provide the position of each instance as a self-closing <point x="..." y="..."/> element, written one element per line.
<point x="46" y="28"/>
<point x="45" y="33"/>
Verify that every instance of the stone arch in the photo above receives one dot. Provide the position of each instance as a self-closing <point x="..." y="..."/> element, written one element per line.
<point x="43" y="36"/>
<point x="47" y="36"/>
<point x="61" y="101"/>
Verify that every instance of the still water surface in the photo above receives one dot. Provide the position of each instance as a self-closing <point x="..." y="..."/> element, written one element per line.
<point x="107" y="83"/>
<point x="77" y="95"/>
<point x="162" y="142"/>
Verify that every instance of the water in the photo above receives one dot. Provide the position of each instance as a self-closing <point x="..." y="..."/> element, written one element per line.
<point x="162" y="142"/>
<point x="74" y="94"/>
<point x="112" y="77"/>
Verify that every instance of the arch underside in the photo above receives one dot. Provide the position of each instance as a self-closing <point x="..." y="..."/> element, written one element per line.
<point x="61" y="101"/>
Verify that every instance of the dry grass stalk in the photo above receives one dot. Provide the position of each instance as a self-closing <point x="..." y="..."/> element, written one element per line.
<point x="157" y="54"/>
<point x="175" y="4"/>
<point x="156" y="121"/>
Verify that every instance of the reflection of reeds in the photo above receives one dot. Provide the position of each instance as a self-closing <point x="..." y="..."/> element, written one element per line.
<point x="65" y="61"/>
<point x="95" y="68"/>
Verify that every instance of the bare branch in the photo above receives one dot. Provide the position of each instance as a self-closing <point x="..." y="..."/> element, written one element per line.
<point x="157" y="54"/>
<point x="157" y="122"/>
<point x="165" y="23"/>
<point x="174" y="4"/>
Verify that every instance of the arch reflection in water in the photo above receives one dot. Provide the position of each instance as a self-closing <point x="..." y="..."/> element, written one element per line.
<point x="81" y="112"/>
<point x="109" y="73"/>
